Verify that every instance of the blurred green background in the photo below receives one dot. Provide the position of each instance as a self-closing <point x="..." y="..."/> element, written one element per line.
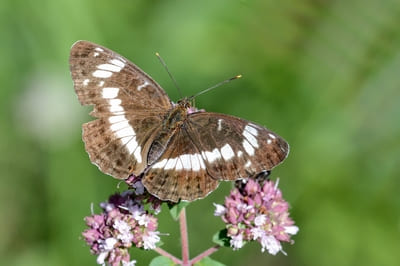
<point x="323" y="74"/>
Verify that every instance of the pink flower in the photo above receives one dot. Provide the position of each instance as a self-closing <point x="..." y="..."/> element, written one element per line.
<point x="124" y="223"/>
<point x="257" y="212"/>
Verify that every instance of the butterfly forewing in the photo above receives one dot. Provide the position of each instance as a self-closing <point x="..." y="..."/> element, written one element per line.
<point x="129" y="104"/>
<point x="234" y="148"/>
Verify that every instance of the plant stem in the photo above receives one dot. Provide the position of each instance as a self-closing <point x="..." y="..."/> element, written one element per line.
<point x="184" y="238"/>
<point x="206" y="253"/>
<point x="168" y="255"/>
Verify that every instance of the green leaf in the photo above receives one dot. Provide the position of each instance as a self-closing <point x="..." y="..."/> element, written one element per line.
<point x="161" y="261"/>
<point x="176" y="209"/>
<point x="207" y="261"/>
<point x="221" y="238"/>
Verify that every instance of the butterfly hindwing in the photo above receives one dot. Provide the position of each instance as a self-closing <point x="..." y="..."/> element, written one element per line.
<point x="180" y="172"/>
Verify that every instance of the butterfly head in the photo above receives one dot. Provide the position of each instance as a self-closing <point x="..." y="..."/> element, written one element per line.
<point x="188" y="104"/>
<point x="185" y="103"/>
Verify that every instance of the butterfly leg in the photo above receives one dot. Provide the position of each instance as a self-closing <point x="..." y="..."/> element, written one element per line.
<point x="262" y="176"/>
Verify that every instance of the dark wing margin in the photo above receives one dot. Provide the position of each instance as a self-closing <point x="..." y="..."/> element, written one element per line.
<point x="128" y="103"/>
<point x="233" y="148"/>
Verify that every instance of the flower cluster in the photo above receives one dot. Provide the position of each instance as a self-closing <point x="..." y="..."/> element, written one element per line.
<point x="124" y="223"/>
<point x="255" y="211"/>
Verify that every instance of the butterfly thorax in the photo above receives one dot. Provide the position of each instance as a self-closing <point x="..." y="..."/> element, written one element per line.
<point x="172" y="122"/>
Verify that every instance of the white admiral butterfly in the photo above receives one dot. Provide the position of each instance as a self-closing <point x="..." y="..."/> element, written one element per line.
<point x="180" y="154"/>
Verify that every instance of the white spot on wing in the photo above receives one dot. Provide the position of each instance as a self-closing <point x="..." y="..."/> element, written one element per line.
<point x="125" y="140"/>
<point x="137" y="154"/>
<point x="253" y="141"/>
<point x="131" y="144"/>
<point x="240" y="153"/>
<point x="125" y="132"/>
<point x="116" y="119"/>
<point x="99" y="49"/>
<point x="202" y="165"/>
<point x="251" y="130"/>
<point x="95" y="54"/>
<point x="109" y="93"/>
<point x="121" y="125"/>
<point x="102" y="74"/>
<point x="185" y="158"/>
<point x="227" y="152"/>
<point x="248" y="163"/>
<point x="109" y="67"/>
<point x="86" y="82"/>
<point x="195" y="162"/>
<point x="117" y="62"/>
<point x="128" y="139"/>
<point x="219" y="124"/>
<point x="179" y="165"/>
<point x="272" y="136"/>
<point x="248" y="148"/>
<point x="115" y="106"/>
<point x="170" y="164"/>
<point x="101" y="83"/>
<point x="160" y="164"/>
<point x="269" y="141"/>
<point x="140" y="87"/>
<point x="212" y="156"/>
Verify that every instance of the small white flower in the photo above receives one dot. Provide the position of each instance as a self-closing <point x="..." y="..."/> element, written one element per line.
<point x="124" y="229"/>
<point x="122" y="226"/>
<point x="243" y="207"/>
<point x="236" y="241"/>
<point x="150" y="240"/>
<point x="102" y="257"/>
<point x="257" y="232"/>
<point x="109" y="243"/>
<point x="260" y="220"/>
<point x="143" y="220"/>
<point x="271" y="244"/>
<point x="130" y="263"/>
<point x="219" y="210"/>
<point x="292" y="230"/>
<point x="106" y="246"/>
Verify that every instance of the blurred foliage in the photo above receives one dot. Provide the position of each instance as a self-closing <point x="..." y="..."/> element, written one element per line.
<point x="322" y="74"/>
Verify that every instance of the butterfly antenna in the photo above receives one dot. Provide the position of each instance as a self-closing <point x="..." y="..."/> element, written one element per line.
<point x="215" y="86"/>
<point x="169" y="73"/>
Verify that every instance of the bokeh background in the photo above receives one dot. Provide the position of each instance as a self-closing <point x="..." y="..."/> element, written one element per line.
<point x="323" y="74"/>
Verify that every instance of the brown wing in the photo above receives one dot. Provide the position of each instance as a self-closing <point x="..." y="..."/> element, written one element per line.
<point x="128" y="103"/>
<point x="180" y="173"/>
<point x="234" y="148"/>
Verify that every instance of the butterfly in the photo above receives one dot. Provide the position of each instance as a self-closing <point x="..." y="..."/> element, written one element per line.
<point x="180" y="153"/>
